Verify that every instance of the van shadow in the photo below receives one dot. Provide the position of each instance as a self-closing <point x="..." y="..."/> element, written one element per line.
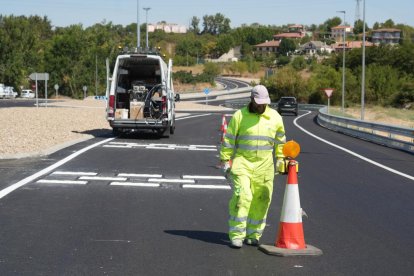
<point x="106" y="133"/>
<point x="101" y="132"/>
<point x="205" y="236"/>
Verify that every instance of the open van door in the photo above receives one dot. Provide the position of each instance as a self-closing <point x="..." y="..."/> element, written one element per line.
<point x="171" y="97"/>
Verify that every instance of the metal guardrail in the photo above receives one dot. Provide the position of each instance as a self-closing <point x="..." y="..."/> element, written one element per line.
<point x="390" y="136"/>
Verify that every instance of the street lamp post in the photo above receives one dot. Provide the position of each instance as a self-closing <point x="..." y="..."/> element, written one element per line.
<point x="146" y="24"/>
<point x="343" y="65"/>
<point x="363" y="65"/>
<point x="138" y="28"/>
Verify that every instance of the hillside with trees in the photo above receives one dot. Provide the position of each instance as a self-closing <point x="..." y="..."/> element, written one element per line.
<point x="75" y="56"/>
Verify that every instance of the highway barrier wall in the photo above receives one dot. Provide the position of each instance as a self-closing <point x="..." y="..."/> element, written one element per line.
<point x="390" y="136"/>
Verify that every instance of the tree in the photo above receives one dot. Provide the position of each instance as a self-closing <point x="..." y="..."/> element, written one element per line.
<point x="195" y="21"/>
<point x="216" y="24"/>
<point x="286" y="46"/>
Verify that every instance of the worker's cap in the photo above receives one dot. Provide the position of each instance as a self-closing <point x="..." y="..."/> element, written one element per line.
<point x="260" y="95"/>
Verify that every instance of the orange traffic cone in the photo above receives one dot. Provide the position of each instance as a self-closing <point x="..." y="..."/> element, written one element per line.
<point x="290" y="238"/>
<point x="224" y="130"/>
<point x="223" y="122"/>
<point x="290" y="233"/>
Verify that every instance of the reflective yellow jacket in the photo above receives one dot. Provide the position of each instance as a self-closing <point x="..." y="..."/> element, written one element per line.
<point x="254" y="136"/>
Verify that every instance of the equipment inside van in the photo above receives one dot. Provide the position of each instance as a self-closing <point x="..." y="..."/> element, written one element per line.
<point x="141" y="94"/>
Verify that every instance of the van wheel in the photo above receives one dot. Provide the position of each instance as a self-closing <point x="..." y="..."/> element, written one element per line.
<point x="172" y="126"/>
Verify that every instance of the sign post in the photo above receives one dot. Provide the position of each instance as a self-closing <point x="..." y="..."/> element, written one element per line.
<point x="85" y="88"/>
<point x="36" y="77"/>
<point x="206" y="91"/>
<point x="328" y="92"/>
<point x="56" y="88"/>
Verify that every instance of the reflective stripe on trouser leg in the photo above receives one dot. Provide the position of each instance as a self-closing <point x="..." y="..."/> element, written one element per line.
<point x="262" y="189"/>
<point x="239" y="206"/>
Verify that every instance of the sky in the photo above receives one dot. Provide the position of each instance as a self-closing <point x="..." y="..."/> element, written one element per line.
<point x="63" y="13"/>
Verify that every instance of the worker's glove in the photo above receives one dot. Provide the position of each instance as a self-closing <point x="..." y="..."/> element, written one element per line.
<point x="281" y="166"/>
<point x="225" y="167"/>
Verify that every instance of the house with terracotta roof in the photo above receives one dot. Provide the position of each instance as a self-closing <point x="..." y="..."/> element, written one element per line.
<point x="386" y="36"/>
<point x="337" y="32"/>
<point x="314" y="47"/>
<point x="295" y="32"/>
<point x="349" y="45"/>
<point x="268" y="47"/>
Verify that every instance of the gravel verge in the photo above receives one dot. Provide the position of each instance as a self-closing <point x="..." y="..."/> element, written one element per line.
<point x="31" y="131"/>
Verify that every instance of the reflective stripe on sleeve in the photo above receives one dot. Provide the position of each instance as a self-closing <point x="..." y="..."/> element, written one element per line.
<point x="227" y="145"/>
<point x="230" y="136"/>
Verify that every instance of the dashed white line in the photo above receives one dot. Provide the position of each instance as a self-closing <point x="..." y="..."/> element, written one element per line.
<point x="73" y="173"/>
<point x="206" y="186"/>
<point x="104" y="178"/>
<point x="135" y="184"/>
<point x="29" y="179"/>
<point x="171" y="180"/>
<point x="203" y="177"/>
<point x="53" y="181"/>
<point x="139" y="175"/>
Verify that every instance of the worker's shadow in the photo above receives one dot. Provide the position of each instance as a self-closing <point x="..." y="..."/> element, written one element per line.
<point x="205" y="236"/>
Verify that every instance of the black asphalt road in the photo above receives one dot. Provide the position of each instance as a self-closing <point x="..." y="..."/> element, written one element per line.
<point x="360" y="215"/>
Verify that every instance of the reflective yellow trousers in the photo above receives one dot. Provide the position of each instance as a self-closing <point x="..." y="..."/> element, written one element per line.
<point x="252" y="194"/>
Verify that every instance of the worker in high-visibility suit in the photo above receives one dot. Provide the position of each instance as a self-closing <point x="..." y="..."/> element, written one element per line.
<point x="253" y="133"/>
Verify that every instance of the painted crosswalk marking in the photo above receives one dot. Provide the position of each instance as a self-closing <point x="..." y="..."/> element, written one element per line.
<point x="56" y="181"/>
<point x="158" y="146"/>
<point x="137" y="180"/>
<point x="135" y="184"/>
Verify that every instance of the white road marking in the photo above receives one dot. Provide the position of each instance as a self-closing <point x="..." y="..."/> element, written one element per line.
<point x="203" y="177"/>
<point x="104" y="178"/>
<point x="54" y="181"/>
<point x="351" y="152"/>
<point x="154" y="147"/>
<point x="135" y="184"/>
<point x="206" y="186"/>
<point x="139" y="175"/>
<point x="74" y="173"/>
<point x="194" y="116"/>
<point x="202" y="149"/>
<point x="117" y="146"/>
<point x="164" y="180"/>
<point x="29" y="179"/>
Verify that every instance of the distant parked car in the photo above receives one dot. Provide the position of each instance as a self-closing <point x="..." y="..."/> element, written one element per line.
<point x="287" y="105"/>
<point x="27" y="93"/>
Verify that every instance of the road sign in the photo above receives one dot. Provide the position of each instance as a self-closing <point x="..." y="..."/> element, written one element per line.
<point x="328" y="91"/>
<point x="206" y="91"/>
<point x="39" y="76"/>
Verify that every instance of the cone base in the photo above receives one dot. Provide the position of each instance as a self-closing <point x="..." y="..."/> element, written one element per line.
<point x="284" y="252"/>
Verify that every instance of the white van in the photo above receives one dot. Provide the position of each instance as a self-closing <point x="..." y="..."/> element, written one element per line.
<point x="140" y="94"/>
<point x="27" y="93"/>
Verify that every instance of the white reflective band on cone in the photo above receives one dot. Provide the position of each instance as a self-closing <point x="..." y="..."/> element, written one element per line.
<point x="291" y="211"/>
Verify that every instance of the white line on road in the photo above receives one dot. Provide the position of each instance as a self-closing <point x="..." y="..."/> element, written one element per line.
<point x="104" y="178"/>
<point x="194" y="116"/>
<point x="351" y="152"/>
<point x="206" y="186"/>
<point x="28" y="179"/>
<point x="171" y="180"/>
<point x="135" y="184"/>
<point x="139" y="175"/>
<point x="74" y="173"/>
<point x="203" y="177"/>
<point x="54" y="181"/>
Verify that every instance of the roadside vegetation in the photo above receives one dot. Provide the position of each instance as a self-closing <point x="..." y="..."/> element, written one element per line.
<point x="75" y="56"/>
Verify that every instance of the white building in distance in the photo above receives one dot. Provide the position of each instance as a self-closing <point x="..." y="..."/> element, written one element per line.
<point x="168" y="28"/>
